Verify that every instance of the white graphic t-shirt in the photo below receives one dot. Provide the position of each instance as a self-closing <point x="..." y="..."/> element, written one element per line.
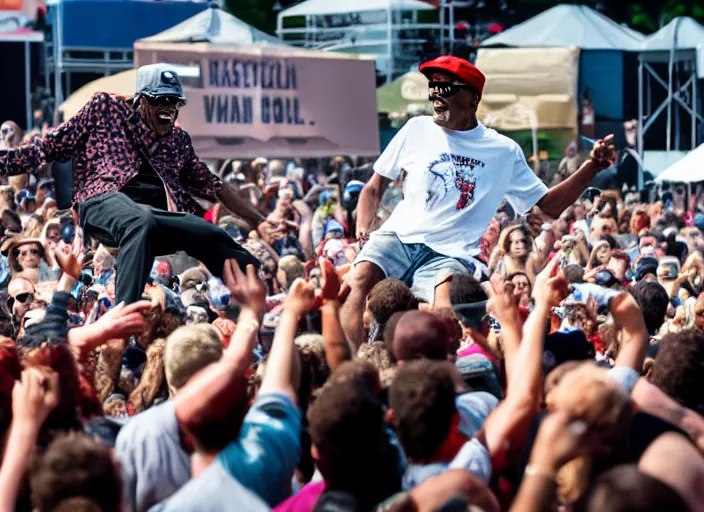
<point x="455" y="182"/>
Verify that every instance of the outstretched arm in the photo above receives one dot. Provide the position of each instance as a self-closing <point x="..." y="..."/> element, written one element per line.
<point x="564" y="194"/>
<point x="56" y="145"/>
<point x="196" y="178"/>
<point x="505" y="428"/>
<point x="239" y="205"/>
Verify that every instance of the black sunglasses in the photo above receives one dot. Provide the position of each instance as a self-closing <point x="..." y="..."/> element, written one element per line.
<point x="35" y="252"/>
<point x="22" y="298"/>
<point x="445" y="89"/>
<point x="165" y="101"/>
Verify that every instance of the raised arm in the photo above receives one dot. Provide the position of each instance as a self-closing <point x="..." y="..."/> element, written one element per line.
<point x="506" y="427"/>
<point x="504" y="308"/>
<point x="239" y="205"/>
<point x="564" y="194"/>
<point x="217" y="384"/>
<point x="634" y="344"/>
<point x="33" y="399"/>
<point x="250" y="292"/>
<point x="283" y="358"/>
<point x="337" y="348"/>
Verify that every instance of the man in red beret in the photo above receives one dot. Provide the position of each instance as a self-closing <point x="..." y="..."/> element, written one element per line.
<point x="458" y="172"/>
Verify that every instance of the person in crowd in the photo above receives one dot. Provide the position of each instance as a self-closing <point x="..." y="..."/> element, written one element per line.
<point x="517" y="254"/>
<point x="458" y="173"/>
<point x="125" y="195"/>
<point x="566" y="385"/>
<point x="154" y="434"/>
<point x="27" y="256"/>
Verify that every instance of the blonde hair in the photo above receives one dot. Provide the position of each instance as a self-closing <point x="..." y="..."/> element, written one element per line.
<point x="189" y="349"/>
<point x="587" y="393"/>
<point x="293" y="268"/>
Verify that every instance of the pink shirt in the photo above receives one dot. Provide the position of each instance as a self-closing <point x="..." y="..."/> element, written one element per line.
<point x="304" y="501"/>
<point x="475" y="349"/>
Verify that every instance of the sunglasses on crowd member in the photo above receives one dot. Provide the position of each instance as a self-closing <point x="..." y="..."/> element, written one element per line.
<point x="445" y="89"/>
<point x="165" y="101"/>
<point x="35" y="252"/>
<point x="22" y="298"/>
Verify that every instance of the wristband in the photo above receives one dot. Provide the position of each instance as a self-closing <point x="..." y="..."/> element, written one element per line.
<point x="532" y="470"/>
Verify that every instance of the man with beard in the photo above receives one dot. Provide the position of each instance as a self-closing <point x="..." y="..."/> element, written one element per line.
<point x="134" y="176"/>
<point x="458" y="173"/>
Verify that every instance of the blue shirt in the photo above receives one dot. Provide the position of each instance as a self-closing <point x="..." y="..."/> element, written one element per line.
<point x="266" y="454"/>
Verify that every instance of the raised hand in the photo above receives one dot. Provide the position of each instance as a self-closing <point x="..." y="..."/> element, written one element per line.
<point x="604" y="152"/>
<point x="362" y="236"/>
<point x="281" y="226"/>
<point x="35" y="396"/>
<point x="551" y="287"/>
<point x="248" y="290"/>
<point x="535" y="220"/>
<point x="301" y="298"/>
<point x="330" y="284"/>
<point x="70" y="264"/>
<point x="120" y="322"/>
<point x="503" y="303"/>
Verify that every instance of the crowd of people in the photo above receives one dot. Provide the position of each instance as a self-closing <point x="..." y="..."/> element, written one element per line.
<point x="562" y="365"/>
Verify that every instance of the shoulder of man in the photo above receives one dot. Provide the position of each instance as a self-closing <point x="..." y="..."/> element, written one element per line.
<point x="182" y="135"/>
<point x="154" y="423"/>
<point x="106" y="104"/>
<point x="490" y="133"/>
<point x="107" y="99"/>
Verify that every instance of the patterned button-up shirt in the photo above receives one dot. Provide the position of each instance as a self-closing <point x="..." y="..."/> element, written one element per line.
<point x="108" y="142"/>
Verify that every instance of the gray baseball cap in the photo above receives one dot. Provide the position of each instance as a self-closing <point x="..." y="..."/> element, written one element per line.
<point x="159" y="80"/>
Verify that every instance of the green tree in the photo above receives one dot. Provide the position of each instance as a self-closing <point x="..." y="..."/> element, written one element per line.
<point x="650" y="16"/>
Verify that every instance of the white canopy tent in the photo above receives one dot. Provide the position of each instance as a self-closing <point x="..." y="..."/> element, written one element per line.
<point x="676" y="44"/>
<point x="328" y="7"/>
<point x="566" y="26"/>
<point x="370" y="27"/>
<point x="689" y="169"/>
<point x="602" y="43"/>
<point x="217" y="27"/>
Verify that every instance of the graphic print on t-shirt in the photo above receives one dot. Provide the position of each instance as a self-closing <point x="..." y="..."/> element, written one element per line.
<point x="452" y="171"/>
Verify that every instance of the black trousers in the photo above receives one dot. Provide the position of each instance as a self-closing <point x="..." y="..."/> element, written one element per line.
<point x="142" y="233"/>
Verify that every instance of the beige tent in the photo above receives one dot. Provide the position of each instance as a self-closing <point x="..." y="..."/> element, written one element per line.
<point x="529" y="88"/>
<point x="122" y="84"/>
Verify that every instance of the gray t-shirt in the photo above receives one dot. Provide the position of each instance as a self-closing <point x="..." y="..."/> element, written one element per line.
<point x="473" y="458"/>
<point x="214" y="490"/>
<point x="153" y="464"/>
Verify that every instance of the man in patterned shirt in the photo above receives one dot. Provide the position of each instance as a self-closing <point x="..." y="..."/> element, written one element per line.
<point x="134" y="176"/>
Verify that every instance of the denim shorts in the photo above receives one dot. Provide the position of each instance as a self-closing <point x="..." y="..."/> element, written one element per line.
<point x="417" y="265"/>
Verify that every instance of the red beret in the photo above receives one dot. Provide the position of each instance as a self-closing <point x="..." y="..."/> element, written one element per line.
<point x="461" y="68"/>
